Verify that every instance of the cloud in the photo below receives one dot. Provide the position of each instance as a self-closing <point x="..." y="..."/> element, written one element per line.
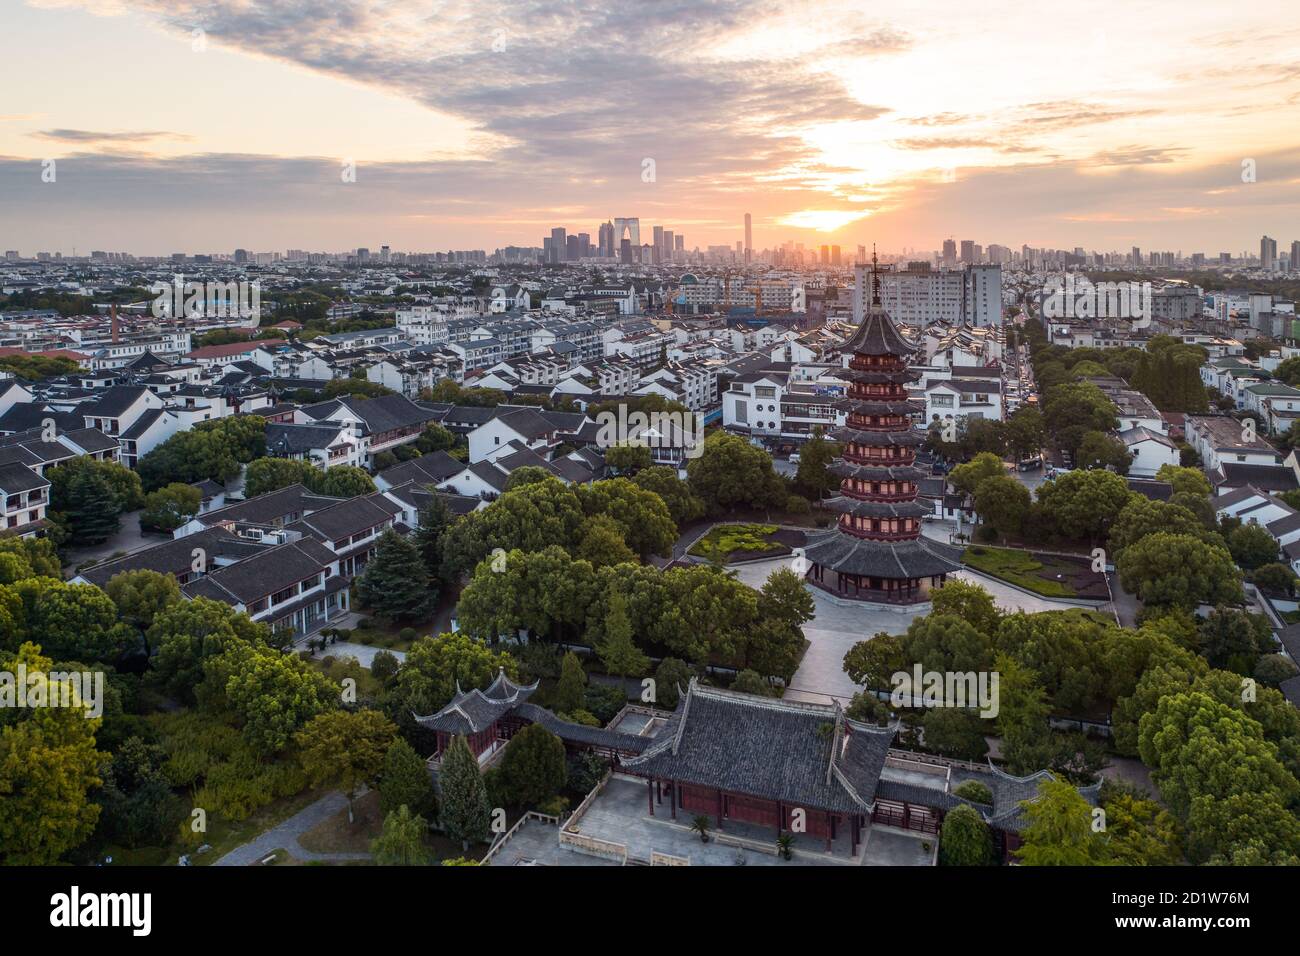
<point x="81" y="136"/>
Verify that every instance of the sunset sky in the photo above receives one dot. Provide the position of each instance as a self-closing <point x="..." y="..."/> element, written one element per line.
<point x="202" y="126"/>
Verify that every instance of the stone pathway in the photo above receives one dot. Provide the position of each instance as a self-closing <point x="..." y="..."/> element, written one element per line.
<point x="364" y="653"/>
<point x="285" y="836"/>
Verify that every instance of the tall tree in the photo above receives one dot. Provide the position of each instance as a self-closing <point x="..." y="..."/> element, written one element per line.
<point x="401" y="842"/>
<point x="404" y="781"/>
<point x="345" y="747"/>
<point x="1060" y="830"/>
<point x="395" y="584"/>
<point x="617" y="651"/>
<point x="462" y="795"/>
<point x="965" y="839"/>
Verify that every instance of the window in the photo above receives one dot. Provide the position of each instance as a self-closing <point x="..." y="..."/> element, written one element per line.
<point x="941" y="401"/>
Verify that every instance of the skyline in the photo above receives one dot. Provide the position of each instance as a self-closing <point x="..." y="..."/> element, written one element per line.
<point x="474" y="130"/>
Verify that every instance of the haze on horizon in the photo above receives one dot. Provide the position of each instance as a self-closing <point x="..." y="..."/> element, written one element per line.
<point x="179" y="125"/>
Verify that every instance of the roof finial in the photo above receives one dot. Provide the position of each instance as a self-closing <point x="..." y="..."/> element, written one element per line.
<point x="875" y="278"/>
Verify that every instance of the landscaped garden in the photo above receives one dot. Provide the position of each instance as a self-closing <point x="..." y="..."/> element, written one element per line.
<point x="1048" y="575"/>
<point x="740" y="542"/>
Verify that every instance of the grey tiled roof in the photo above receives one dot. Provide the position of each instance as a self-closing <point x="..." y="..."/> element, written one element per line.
<point x="805" y="755"/>
<point x="922" y="557"/>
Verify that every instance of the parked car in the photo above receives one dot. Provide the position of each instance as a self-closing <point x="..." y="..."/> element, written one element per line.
<point x="794" y="458"/>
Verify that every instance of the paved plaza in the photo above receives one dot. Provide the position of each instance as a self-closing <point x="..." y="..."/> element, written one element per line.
<point x="620" y="814"/>
<point x="836" y="627"/>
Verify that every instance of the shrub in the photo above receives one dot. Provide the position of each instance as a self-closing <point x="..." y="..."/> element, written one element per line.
<point x="554" y="807"/>
<point x="603" y="702"/>
<point x="406" y="634"/>
<point x="797" y="505"/>
<point x="986" y="533"/>
<point x="974" y="791"/>
<point x="384" y="665"/>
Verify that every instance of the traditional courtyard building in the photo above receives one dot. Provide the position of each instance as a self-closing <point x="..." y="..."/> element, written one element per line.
<point x="769" y="762"/>
<point x="876" y="552"/>
<point x="747" y="761"/>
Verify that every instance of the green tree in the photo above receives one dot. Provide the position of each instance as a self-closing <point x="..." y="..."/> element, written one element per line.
<point x="641" y="515"/>
<point x="1025" y="432"/>
<point x="752" y="682"/>
<point x="271" y="474"/>
<point x="434" y="666"/>
<point x="731" y="473"/>
<point x="401" y="842"/>
<point x="404" y="782"/>
<point x="966" y="478"/>
<point x="672" y="678"/>
<point x="189" y="633"/>
<point x="140" y="596"/>
<point x="343" y="481"/>
<point x="601" y="542"/>
<point x="1071" y="410"/>
<point x="813" y="477"/>
<point x="1002" y="502"/>
<point x="1185" y="480"/>
<point x="1252" y="546"/>
<point x="968" y="601"/>
<point x="1275" y="578"/>
<point x="873" y="663"/>
<point x="1143" y="516"/>
<point x="48" y="768"/>
<point x="956" y="732"/>
<point x="627" y="459"/>
<point x="395" y="584"/>
<point x="965" y="839"/>
<point x="1179" y="570"/>
<point x="1099" y="450"/>
<point x="270" y="695"/>
<point x="85" y="500"/>
<point x="78" y="622"/>
<point x="617" y="651"/>
<point x="434" y="520"/>
<point x="1060" y="831"/>
<point x="462" y="795"/>
<point x="571" y="690"/>
<point x="170" y="507"/>
<point x="1082" y="505"/>
<point x="676" y="494"/>
<point x="533" y="768"/>
<point x="346" y="748"/>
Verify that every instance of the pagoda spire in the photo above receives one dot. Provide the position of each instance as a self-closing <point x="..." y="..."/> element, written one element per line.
<point x="875" y="278"/>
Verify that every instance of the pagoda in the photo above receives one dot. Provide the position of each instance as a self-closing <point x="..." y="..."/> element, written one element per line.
<point x="876" y="552"/>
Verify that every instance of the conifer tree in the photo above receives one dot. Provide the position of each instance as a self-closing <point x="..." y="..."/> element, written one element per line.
<point x="571" y="689"/>
<point x="462" y="795"/>
<point x="395" y="584"/>
<point x="404" y="781"/>
<point x="617" y="651"/>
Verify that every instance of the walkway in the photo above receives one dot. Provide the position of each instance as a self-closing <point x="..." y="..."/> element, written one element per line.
<point x="285" y="837"/>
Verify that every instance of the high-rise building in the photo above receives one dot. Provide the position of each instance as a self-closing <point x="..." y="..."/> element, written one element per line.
<point x="629" y="229"/>
<point x="668" y="246"/>
<point x="559" y="244"/>
<point x="836" y="259"/>
<point x="605" y="240"/>
<point x="949" y="253"/>
<point x="1135" y="259"/>
<point x="967" y="251"/>
<point x="1267" y="253"/>
<point x="1295" y="255"/>
<point x="584" y="244"/>
<point x="749" y="237"/>
<point x="679" y="245"/>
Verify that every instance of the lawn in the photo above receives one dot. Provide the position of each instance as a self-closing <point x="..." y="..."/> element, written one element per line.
<point x="337" y="835"/>
<point x="1047" y="575"/>
<point x="737" y="542"/>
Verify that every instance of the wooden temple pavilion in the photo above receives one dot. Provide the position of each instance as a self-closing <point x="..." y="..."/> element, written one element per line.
<point x="488" y="718"/>
<point x="876" y="552"/>
<point x="759" y="760"/>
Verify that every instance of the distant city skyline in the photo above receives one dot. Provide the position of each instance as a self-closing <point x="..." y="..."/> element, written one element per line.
<point x="209" y="126"/>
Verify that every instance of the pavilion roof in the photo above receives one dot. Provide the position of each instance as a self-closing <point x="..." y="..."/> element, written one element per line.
<point x="804" y="755"/>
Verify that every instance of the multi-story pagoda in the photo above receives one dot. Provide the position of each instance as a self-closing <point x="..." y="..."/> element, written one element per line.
<point x="876" y="552"/>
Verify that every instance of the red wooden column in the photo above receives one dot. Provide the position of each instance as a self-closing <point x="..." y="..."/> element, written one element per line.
<point x="719" y="809"/>
<point x="830" y="830"/>
<point x="650" y="795"/>
<point x="672" y="785"/>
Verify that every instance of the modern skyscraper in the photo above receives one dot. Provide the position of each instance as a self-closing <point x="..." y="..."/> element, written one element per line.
<point x="949" y="253"/>
<point x="559" y="244"/>
<point x="668" y="245"/>
<point x="658" y="253"/>
<point x="967" y="250"/>
<point x="1295" y="256"/>
<point x="749" y="237"/>
<point x="606" y="240"/>
<point x="627" y="229"/>
<point x="1267" y="253"/>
